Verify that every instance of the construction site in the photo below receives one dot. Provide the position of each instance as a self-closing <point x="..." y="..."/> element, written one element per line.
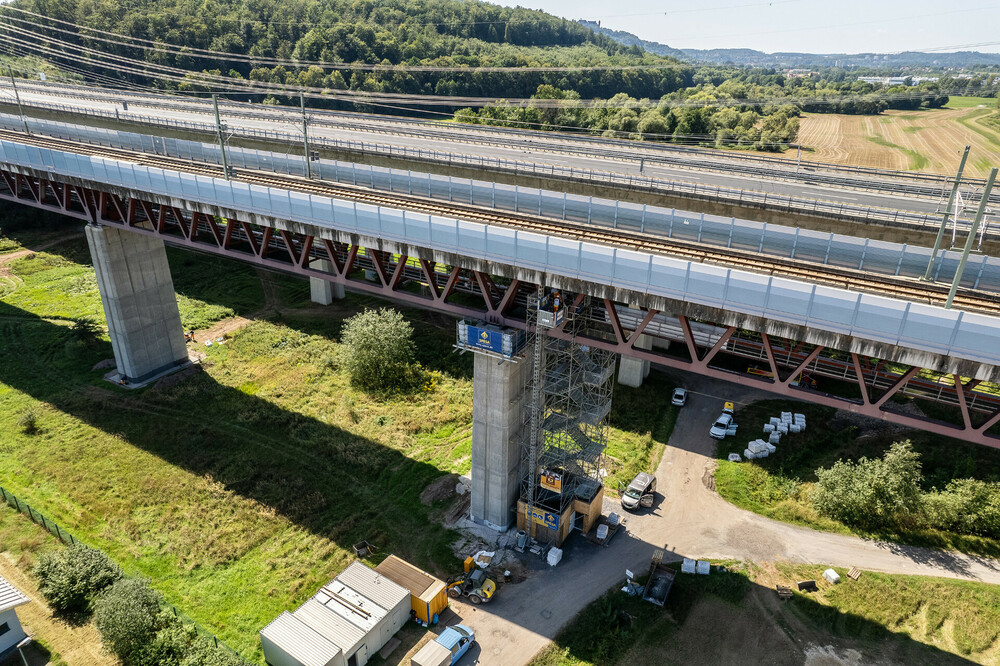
<point x="545" y="421"/>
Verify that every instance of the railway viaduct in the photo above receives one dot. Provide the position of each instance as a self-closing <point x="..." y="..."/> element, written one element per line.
<point x="709" y="304"/>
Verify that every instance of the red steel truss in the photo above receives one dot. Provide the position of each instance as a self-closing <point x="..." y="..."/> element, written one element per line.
<point x="477" y="295"/>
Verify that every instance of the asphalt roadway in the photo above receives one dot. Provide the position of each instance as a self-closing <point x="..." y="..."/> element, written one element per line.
<point x="688" y="520"/>
<point x="534" y="148"/>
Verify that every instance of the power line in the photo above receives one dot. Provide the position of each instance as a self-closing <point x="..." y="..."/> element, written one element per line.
<point x="174" y="49"/>
<point x="122" y="64"/>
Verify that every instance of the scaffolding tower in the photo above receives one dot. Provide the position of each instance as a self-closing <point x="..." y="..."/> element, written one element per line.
<point x="568" y="399"/>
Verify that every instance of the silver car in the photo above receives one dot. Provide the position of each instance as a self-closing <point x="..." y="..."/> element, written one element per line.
<point x="639" y="493"/>
<point x="679" y="398"/>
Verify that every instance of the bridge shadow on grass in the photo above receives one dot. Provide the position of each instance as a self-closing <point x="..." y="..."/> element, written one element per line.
<point x="336" y="484"/>
<point x="735" y="616"/>
<point x="217" y="284"/>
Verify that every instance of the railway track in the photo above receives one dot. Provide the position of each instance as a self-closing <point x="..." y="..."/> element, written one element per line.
<point x="862" y="281"/>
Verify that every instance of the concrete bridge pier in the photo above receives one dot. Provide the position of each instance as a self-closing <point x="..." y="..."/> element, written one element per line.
<point x="137" y="292"/>
<point x="631" y="371"/>
<point x="497" y="401"/>
<point x="323" y="291"/>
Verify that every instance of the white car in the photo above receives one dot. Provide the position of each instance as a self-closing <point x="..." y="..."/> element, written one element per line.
<point x="679" y="397"/>
<point x="724" y="425"/>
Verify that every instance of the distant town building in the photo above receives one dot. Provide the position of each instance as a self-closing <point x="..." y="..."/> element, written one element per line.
<point x="897" y="80"/>
<point x="799" y="73"/>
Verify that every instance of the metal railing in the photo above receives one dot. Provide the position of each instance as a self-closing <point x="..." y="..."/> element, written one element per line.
<point x="592" y="177"/>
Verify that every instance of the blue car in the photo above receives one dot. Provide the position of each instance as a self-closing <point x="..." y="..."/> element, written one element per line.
<point x="446" y="649"/>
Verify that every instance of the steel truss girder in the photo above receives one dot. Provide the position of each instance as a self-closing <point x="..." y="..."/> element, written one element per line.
<point x="420" y="282"/>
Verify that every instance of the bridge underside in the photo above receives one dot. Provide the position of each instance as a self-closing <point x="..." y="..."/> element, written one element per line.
<point x="850" y="381"/>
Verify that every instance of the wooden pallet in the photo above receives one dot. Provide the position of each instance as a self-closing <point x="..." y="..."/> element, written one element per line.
<point x="854" y="573"/>
<point x="784" y="593"/>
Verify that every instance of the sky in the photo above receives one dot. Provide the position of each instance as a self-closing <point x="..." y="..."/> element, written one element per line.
<point x="808" y="26"/>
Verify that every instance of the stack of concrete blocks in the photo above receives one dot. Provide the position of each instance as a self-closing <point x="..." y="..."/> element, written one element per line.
<point x="758" y="449"/>
<point x="137" y="292"/>
<point x="497" y="400"/>
<point x="798" y="423"/>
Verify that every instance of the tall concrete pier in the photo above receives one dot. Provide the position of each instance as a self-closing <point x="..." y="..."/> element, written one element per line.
<point x="631" y="371"/>
<point x="139" y="301"/>
<point x="497" y="400"/>
<point x="323" y="291"/>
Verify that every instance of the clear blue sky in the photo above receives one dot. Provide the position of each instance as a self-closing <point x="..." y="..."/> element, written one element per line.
<point x="810" y="26"/>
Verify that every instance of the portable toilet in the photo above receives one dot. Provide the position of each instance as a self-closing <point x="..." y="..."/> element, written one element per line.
<point x="428" y="595"/>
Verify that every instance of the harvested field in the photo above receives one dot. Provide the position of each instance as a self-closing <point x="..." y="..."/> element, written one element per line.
<point x="930" y="140"/>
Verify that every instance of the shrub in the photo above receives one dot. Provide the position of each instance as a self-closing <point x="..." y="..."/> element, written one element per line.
<point x="72" y="577"/>
<point x="871" y="493"/>
<point x="968" y="506"/>
<point x="28" y="422"/>
<point x="128" y="616"/>
<point x="379" y="350"/>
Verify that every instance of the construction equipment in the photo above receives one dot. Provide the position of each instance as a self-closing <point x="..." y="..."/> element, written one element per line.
<point x="473" y="584"/>
<point x="661" y="579"/>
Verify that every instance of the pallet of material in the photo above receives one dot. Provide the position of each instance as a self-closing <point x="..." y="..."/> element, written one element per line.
<point x="784" y="592"/>
<point x="611" y="531"/>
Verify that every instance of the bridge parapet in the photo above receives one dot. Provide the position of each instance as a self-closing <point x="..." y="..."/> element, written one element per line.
<point x="913" y="333"/>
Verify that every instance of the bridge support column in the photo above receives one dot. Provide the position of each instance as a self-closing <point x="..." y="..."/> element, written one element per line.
<point x="631" y="371"/>
<point x="323" y="291"/>
<point x="497" y="399"/>
<point x="139" y="302"/>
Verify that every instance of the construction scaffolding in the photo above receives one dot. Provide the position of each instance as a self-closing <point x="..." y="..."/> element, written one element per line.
<point x="568" y="399"/>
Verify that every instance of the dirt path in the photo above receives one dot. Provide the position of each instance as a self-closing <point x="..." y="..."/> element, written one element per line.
<point x="690" y="521"/>
<point x="76" y="645"/>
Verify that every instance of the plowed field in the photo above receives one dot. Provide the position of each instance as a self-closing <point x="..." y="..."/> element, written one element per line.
<point x="929" y="140"/>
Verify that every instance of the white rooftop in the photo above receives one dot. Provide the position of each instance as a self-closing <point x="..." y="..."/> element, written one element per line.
<point x="300" y="641"/>
<point x="10" y="596"/>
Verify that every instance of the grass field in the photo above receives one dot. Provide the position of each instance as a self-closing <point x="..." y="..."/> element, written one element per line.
<point x="779" y="486"/>
<point x="239" y="489"/>
<point x="735" y="617"/>
<point x="930" y="140"/>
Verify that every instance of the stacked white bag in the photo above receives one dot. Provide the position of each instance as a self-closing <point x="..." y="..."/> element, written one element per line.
<point x="759" y="448"/>
<point x="800" y="421"/>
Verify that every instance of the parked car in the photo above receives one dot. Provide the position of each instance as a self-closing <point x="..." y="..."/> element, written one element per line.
<point x="639" y="493"/>
<point x="446" y="649"/>
<point x="679" y="397"/>
<point x="724" y="425"/>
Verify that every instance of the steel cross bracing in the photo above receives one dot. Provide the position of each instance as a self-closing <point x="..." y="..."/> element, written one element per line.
<point x="475" y="294"/>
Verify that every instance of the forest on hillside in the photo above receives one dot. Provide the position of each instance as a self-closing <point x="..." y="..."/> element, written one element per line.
<point x="440" y="33"/>
<point x="643" y="95"/>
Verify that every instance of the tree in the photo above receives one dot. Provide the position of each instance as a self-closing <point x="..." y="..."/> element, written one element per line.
<point x="871" y="493"/>
<point x="72" y="577"/>
<point x="127" y="616"/>
<point x="379" y="347"/>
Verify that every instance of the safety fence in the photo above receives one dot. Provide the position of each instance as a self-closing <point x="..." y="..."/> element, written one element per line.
<point x="661" y="186"/>
<point x="754" y="162"/>
<point x="53" y="528"/>
<point x="873" y="256"/>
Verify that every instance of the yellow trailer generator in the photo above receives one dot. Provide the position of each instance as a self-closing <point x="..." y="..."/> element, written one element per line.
<point x="428" y="595"/>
